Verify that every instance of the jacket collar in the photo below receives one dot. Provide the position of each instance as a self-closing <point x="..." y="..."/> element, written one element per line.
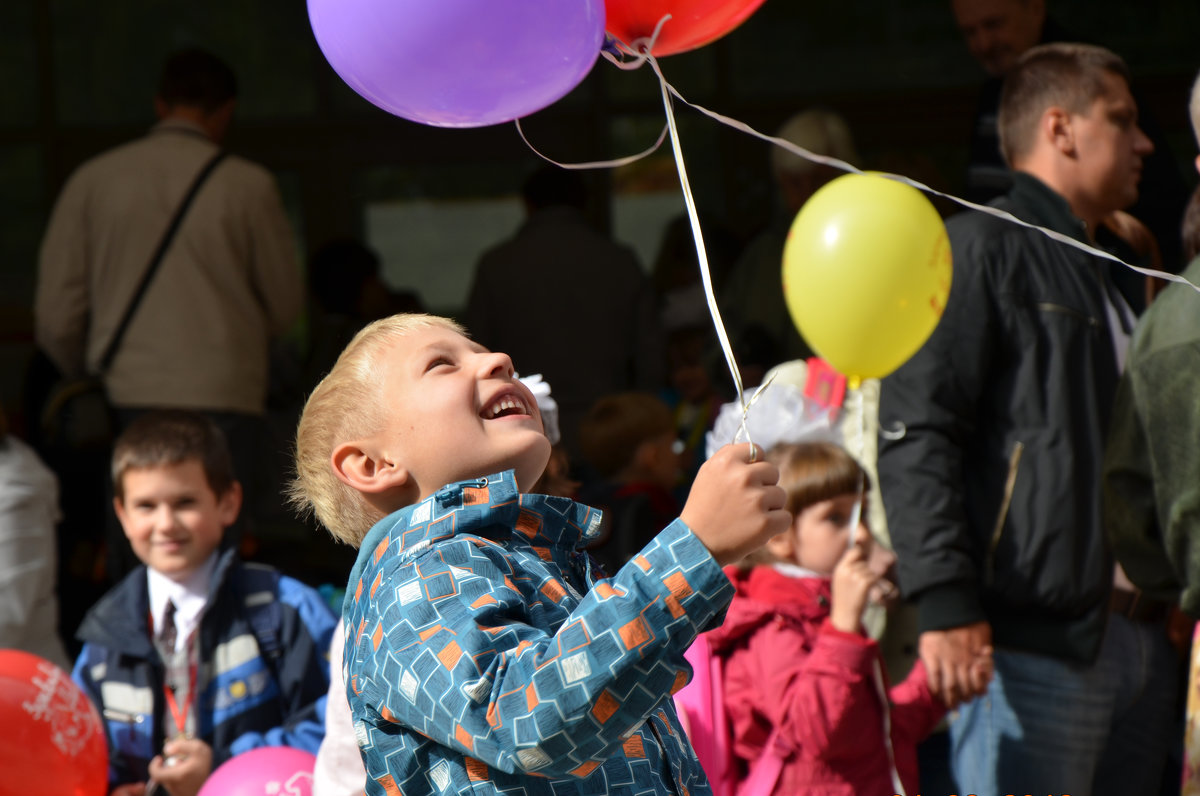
<point x="490" y="507"/>
<point x="119" y="620"/>
<point x="177" y="125"/>
<point x="1038" y="203"/>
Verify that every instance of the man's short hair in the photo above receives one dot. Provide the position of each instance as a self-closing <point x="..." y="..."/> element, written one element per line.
<point x="616" y="425"/>
<point x="1070" y="76"/>
<point x="1194" y="109"/>
<point x="173" y="436"/>
<point x="347" y="405"/>
<point x="198" y="79"/>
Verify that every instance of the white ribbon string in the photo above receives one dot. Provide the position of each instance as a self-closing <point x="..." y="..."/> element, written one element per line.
<point x="991" y="211"/>
<point x="596" y="164"/>
<point x="633" y="55"/>
<point x="701" y="253"/>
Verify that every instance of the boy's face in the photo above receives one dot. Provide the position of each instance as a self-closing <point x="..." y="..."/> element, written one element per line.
<point x="457" y="411"/>
<point x="172" y="517"/>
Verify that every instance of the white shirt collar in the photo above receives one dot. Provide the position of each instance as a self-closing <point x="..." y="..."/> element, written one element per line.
<point x="794" y="571"/>
<point x="189" y="596"/>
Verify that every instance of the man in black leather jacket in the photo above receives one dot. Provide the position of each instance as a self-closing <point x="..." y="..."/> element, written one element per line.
<point x="993" y="435"/>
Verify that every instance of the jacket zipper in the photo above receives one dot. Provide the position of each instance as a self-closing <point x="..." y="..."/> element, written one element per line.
<point x="1048" y="306"/>
<point x="1014" y="461"/>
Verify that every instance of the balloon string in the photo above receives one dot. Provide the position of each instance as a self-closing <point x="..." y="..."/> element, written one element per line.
<point x="861" y="455"/>
<point x="596" y="164"/>
<point x="992" y="211"/>
<point x="638" y="49"/>
<point x="701" y="253"/>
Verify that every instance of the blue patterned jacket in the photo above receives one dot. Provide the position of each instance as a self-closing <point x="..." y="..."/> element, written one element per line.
<point x="484" y="657"/>
<point x="248" y="697"/>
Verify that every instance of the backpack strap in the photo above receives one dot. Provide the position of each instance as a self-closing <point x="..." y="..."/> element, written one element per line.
<point x="764" y="773"/>
<point x="260" y="595"/>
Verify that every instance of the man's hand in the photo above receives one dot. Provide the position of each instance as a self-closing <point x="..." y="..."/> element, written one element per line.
<point x="955" y="661"/>
<point x="736" y="504"/>
<point x="183" y="766"/>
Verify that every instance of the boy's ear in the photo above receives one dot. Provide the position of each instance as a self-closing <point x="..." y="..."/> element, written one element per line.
<point x="119" y="508"/>
<point x="367" y="469"/>
<point x="229" y="504"/>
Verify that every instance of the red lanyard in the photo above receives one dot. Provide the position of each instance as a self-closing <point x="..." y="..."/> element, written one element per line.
<point x="180" y="716"/>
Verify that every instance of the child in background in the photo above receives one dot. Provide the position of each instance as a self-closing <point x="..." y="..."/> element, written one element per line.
<point x="195" y="654"/>
<point x="482" y="655"/>
<point x="797" y="664"/>
<point x="629" y="441"/>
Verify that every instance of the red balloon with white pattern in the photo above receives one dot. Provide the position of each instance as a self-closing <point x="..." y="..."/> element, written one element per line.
<point x="53" y="737"/>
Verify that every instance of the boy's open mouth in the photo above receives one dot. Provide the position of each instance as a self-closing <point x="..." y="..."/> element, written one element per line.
<point x="506" y="405"/>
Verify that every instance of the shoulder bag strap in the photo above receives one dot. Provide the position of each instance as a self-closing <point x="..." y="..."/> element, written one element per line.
<point x="156" y="260"/>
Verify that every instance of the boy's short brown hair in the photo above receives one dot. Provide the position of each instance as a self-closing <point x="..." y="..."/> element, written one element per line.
<point x="172" y="436"/>
<point x="344" y="406"/>
<point x="1070" y="76"/>
<point x="616" y="425"/>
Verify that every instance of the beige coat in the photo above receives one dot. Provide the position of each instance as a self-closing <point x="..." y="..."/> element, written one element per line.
<point x="229" y="281"/>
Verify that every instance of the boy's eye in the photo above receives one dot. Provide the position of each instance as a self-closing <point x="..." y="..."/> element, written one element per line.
<point x="438" y="362"/>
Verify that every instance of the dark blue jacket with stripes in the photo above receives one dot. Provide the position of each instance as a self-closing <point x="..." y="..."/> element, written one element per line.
<point x="263" y="672"/>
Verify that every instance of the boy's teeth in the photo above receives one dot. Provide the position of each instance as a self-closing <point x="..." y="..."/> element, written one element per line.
<point x="504" y="404"/>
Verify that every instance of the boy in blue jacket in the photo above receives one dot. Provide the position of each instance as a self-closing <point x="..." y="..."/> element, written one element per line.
<point x="482" y="653"/>
<point x="196" y="656"/>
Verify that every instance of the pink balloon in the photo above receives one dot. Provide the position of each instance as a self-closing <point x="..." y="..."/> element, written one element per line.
<point x="265" y="771"/>
<point x="53" y="738"/>
<point x="460" y="63"/>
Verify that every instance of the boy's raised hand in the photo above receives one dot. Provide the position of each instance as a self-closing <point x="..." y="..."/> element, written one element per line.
<point x="736" y="504"/>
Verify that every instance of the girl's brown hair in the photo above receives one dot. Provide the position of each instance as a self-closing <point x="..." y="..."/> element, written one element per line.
<point x="810" y="472"/>
<point x="814" y="471"/>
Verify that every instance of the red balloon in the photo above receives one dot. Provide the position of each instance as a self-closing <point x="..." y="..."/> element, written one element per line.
<point x="53" y="737"/>
<point x="693" y="23"/>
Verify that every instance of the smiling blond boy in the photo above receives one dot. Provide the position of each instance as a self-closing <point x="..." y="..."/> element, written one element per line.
<point x="482" y="653"/>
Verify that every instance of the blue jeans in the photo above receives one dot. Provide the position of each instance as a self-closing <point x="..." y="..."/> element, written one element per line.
<point x="1047" y="726"/>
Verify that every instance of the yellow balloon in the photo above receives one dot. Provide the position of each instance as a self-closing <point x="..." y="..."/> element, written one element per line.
<point x="866" y="273"/>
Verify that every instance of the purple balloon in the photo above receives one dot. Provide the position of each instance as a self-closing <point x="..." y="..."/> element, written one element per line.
<point x="460" y="63"/>
<point x="264" y="771"/>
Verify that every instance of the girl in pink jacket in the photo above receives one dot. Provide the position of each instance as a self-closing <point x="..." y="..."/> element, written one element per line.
<point x="797" y="665"/>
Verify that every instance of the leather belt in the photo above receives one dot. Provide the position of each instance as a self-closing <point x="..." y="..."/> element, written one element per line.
<point x="1137" y="606"/>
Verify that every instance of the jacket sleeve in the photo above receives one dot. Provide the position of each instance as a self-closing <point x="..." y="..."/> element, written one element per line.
<point x="915" y="710"/>
<point x="302" y="671"/>
<point x="927" y="412"/>
<point x="1151" y="494"/>
<point x="453" y="645"/>
<point x="81" y="674"/>
<point x="28" y="515"/>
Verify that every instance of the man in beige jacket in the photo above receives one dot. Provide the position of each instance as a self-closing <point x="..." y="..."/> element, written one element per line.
<point x="228" y="282"/>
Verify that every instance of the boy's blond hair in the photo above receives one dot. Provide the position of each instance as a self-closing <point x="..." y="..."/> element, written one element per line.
<point x="346" y="405"/>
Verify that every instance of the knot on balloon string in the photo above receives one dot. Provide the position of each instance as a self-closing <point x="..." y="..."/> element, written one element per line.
<point x="635" y="53"/>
